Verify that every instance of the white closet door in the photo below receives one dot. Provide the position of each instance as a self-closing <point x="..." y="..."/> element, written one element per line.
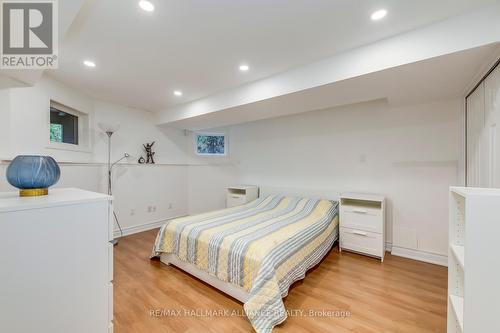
<point x="491" y="134"/>
<point x="475" y="125"/>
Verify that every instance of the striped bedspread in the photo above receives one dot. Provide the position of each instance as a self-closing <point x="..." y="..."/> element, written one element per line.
<point x="263" y="246"/>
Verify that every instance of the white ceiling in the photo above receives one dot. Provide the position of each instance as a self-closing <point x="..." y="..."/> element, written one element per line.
<point x="196" y="45"/>
<point x="441" y="78"/>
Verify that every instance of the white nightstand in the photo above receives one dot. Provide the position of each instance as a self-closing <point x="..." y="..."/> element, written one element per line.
<point x="362" y="224"/>
<point x="240" y="195"/>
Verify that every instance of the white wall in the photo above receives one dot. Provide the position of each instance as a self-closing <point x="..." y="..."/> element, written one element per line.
<point x="144" y="195"/>
<point x="206" y="186"/>
<point x="5" y="122"/>
<point x="208" y="177"/>
<point x="410" y="154"/>
<point x="29" y="119"/>
<point x="135" y="128"/>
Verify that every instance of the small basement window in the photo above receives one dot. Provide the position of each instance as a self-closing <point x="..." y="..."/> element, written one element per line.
<point x="63" y="126"/>
<point x="68" y="128"/>
<point x="210" y="144"/>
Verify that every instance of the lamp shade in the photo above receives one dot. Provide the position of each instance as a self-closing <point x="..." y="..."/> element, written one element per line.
<point x="106" y="127"/>
<point x="33" y="175"/>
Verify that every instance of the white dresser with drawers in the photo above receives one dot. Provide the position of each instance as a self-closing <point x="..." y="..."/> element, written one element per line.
<point x="56" y="263"/>
<point x="362" y="224"/>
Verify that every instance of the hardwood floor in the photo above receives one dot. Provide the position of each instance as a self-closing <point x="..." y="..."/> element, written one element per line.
<point x="399" y="295"/>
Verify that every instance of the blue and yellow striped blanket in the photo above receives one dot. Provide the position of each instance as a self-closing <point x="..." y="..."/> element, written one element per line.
<point x="263" y="247"/>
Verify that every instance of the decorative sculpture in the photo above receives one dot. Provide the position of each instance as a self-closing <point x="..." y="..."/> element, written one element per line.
<point x="149" y="153"/>
<point x="141" y="160"/>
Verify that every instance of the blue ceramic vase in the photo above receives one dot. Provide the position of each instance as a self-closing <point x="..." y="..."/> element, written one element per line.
<point x="33" y="175"/>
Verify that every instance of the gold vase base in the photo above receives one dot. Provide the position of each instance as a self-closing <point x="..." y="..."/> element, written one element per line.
<point x="33" y="192"/>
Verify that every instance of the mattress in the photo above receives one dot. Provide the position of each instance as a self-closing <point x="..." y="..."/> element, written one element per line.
<point x="263" y="247"/>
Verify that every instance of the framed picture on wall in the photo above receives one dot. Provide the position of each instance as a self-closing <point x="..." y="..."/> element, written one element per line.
<point x="211" y="144"/>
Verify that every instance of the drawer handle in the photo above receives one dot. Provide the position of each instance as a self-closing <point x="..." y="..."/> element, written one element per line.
<point x="236" y="197"/>
<point x="360" y="211"/>
<point x="359" y="233"/>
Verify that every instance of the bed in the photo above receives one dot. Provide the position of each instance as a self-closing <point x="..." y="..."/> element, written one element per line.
<point x="253" y="252"/>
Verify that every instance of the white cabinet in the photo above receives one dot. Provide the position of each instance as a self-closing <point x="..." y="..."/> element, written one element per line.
<point x="362" y="224"/>
<point x="240" y="195"/>
<point x="473" y="264"/>
<point x="56" y="263"/>
<point x="483" y="136"/>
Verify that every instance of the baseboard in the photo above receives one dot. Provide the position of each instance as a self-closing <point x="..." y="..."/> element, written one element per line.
<point x="142" y="227"/>
<point x="432" y="258"/>
<point x="388" y="246"/>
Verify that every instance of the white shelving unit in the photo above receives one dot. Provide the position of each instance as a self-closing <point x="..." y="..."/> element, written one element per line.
<point x="473" y="261"/>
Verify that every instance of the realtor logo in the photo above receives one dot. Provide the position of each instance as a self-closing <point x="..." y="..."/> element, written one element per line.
<point x="29" y="34"/>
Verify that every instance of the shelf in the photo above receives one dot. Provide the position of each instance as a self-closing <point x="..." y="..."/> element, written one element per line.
<point x="459" y="254"/>
<point x="475" y="191"/>
<point x="457" y="303"/>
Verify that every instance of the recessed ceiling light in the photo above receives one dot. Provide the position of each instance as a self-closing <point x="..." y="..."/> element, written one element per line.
<point x="146" y="5"/>
<point x="178" y="93"/>
<point x="379" y="14"/>
<point x="244" y="68"/>
<point x="89" y="63"/>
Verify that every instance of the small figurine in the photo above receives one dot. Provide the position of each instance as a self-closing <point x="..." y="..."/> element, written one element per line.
<point x="149" y="153"/>
<point x="141" y="160"/>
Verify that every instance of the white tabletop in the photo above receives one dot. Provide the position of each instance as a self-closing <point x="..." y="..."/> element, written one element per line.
<point x="470" y="191"/>
<point x="11" y="201"/>
<point x="242" y="187"/>
<point x="362" y="196"/>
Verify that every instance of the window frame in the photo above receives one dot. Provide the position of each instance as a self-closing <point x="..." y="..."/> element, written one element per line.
<point x="226" y="145"/>
<point x="83" y="129"/>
